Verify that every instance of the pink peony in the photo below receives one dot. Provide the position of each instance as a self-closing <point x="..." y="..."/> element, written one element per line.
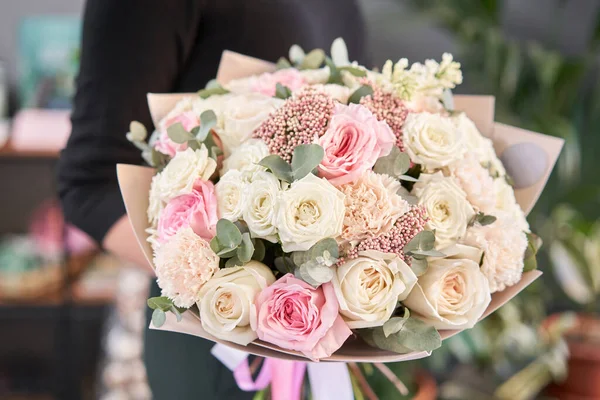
<point x="289" y="77"/>
<point x="197" y="210"/>
<point x="353" y="142"/>
<point x="164" y="144"/>
<point x="293" y="315"/>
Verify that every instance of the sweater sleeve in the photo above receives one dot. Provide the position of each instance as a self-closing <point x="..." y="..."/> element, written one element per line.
<point x="129" y="48"/>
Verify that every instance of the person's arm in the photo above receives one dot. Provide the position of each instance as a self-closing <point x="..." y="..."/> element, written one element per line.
<point x="129" y="48"/>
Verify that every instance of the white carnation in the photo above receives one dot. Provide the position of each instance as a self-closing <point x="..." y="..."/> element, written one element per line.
<point x="310" y="210"/>
<point x="507" y="204"/>
<point x="447" y="207"/>
<point x="432" y="140"/>
<point x="260" y="206"/>
<point x="337" y="92"/>
<point x="230" y="195"/>
<point x="475" y="181"/>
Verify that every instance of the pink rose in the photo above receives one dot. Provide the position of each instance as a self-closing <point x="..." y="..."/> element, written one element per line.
<point x="293" y="315"/>
<point x="289" y="77"/>
<point x="197" y="210"/>
<point x="164" y="144"/>
<point x="353" y="142"/>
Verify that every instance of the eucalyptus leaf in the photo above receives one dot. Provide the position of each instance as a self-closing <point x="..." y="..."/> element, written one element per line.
<point x="413" y="335"/>
<point x="227" y="252"/>
<point x="284" y="264"/>
<point x="296" y="54"/>
<point x="215" y="245"/>
<point x="212" y="84"/>
<point x="335" y="77"/>
<point x="194" y="144"/>
<point x="206" y="93"/>
<point x="158" y="318"/>
<point x="246" y="249"/>
<point x="426" y="253"/>
<point x="419" y="266"/>
<point x="278" y="166"/>
<point x="314" y="274"/>
<point x="143" y="146"/>
<point x="328" y="244"/>
<point x="283" y="63"/>
<point x="423" y="240"/>
<point x="306" y="157"/>
<point x="178" y="134"/>
<point x="177" y="313"/>
<point x="393" y="325"/>
<point x="407" y="178"/>
<point x="339" y="52"/>
<point x="159" y="160"/>
<point x="208" y="120"/>
<point x="160" y="303"/>
<point x="282" y="92"/>
<point x="313" y="59"/>
<point x="359" y="93"/>
<point x="228" y="234"/>
<point x="138" y="131"/>
<point x="259" y="250"/>
<point x="487" y="220"/>
<point x="233" y="262"/>
<point x="360" y="73"/>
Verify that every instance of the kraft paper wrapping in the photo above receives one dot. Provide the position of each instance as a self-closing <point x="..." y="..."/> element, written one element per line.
<point x="524" y="150"/>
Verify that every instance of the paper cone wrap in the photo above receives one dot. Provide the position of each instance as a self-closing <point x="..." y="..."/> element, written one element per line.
<point x="520" y="151"/>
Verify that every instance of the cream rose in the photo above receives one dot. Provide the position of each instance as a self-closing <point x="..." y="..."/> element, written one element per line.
<point x="242" y="114"/>
<point x="260" y="206"/>
<point x="316" y="76"/>
<point x="447" y="207"/>
<point x="475" y="181"/>
<point x="369" y="287"/>
<point x="230" y="195"/>
<point x="337" y="92"/>
<point x="178" y="178"/>
<point x="246" y="157"/>
<point x="372" y="206"/>
<point x="310" y="210"/>
<point x="226" y="300"/>
<point x="432" y="140"/>
<point x="503" y="244"/>
<point x="184" y="263"/>
<point x="452" y="294"/>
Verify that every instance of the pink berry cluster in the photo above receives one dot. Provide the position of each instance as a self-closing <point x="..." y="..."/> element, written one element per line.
<point x="389" y="108"/>
<point x="303" y="117"/>
<point x="405" y="228"/>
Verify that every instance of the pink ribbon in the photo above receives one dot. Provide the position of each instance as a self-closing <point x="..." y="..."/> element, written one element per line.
<point x="285" y="377"/>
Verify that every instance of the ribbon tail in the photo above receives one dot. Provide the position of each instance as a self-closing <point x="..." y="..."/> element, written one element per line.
<point x="330" y="381"/>
<point x="287" y="379"/>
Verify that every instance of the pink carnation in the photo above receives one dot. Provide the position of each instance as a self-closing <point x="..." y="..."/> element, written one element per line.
<point x="289" y="77"/>
<point x="293" y="315"/>
<point x="164" y="144"/>
<point x="353" y="142"/>
<point x="197" y="210"/>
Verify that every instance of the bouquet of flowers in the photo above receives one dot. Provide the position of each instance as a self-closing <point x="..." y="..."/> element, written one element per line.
<point x="317" y="209"/>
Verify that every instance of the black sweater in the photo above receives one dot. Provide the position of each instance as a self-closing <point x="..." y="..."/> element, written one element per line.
<point x="133" y="47"/>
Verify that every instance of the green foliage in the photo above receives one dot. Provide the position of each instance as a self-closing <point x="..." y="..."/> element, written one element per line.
<point x="305" y="159"/>
<point x="314" y="265"/>
<point x="212" y="88"/>
<point x="282" y="92"/>
<point x="359" y="93"/>
<point x="403" y="335"/>
<point x="395" y="164"/>
<point x="161" y="305"/>
<point x="313" y="60"/>
<point x="482" y="219"/>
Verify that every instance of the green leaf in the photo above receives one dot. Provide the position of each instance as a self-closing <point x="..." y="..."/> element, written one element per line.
<point x="361" y="73"/>
<point x="178" y="134"/>
<point x="393" y="325"/>
<point x="314" y="274"/>
<point x="487" y="220"/>
<point x="206" y="93"/>
<point x="335" y="77"/>
<point x="208" y="120"/>
<point x="233" y="262"/>
<point x="259" y="250"/>
<point x="283" y="63"/>
<point x="212" y="84"/>
<point x="194" y="144"/>
<point x="534" y="243"/>
<point x="215" y="245"/>
<point x="158" y="318"/>
<point x="413" y="335"/>
<point x="394" y="164"/>
<point x="284" y="264"/>
<point x="328" y="244"/>
<point x="282" y="92"/>
<point x="423" y="240"/>
<point x="229" y="235"/>
<point x="296" y="54"/>
<point x="160" y="303"/>
<point x="339" y="52"/>
<point x="313" y="60"/>
<point x="426" y="253"/>
<point x="419" y="266"/>
<point x="246" y="249"/>
<point x="407" y="178"/>
<point x="177" y="313"/>
<point x="159" y="160"/>
<point x="306" y="157"/>
<point x="227" y="252"/>
<point x="359" y="93"/>
<point x="277" y="165"/>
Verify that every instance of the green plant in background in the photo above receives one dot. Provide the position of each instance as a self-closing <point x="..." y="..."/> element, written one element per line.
<point x="537" y="88"/>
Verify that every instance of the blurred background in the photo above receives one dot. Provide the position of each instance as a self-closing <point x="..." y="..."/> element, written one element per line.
<point x="72" y="318"/>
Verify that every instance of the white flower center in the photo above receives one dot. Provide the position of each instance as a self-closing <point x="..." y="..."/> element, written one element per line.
<point x="441" y="211"/>
<point x="224" y="305"/>
<point x="307" y="213"/>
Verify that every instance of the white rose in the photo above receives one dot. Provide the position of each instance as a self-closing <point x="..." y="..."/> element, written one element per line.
<point x="452" y="294"/>
<point x="184" y="105"/>
<point x="369" y="287"/>
<point x="310" y="210"/>
<point x="337" y="92"/>
<point x="432" y="140"/>
<point x="230" y="195"/>
<point x="503" y="244"/>
<point x="226" y="299"/>
<point x="260" y="206"/>
<point x="246" y="157"/>
<point x="506" y="202"/>
<point x="316" y="76"/>
<point x="242" y="85"/>
<point x="242" y="114"/>
<point x="481" y="146"/>
<point x="178" y="178"/>
<point x="425" y="103"/>
<point x="475" y="181"/>
<point x="447" y="207"/>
